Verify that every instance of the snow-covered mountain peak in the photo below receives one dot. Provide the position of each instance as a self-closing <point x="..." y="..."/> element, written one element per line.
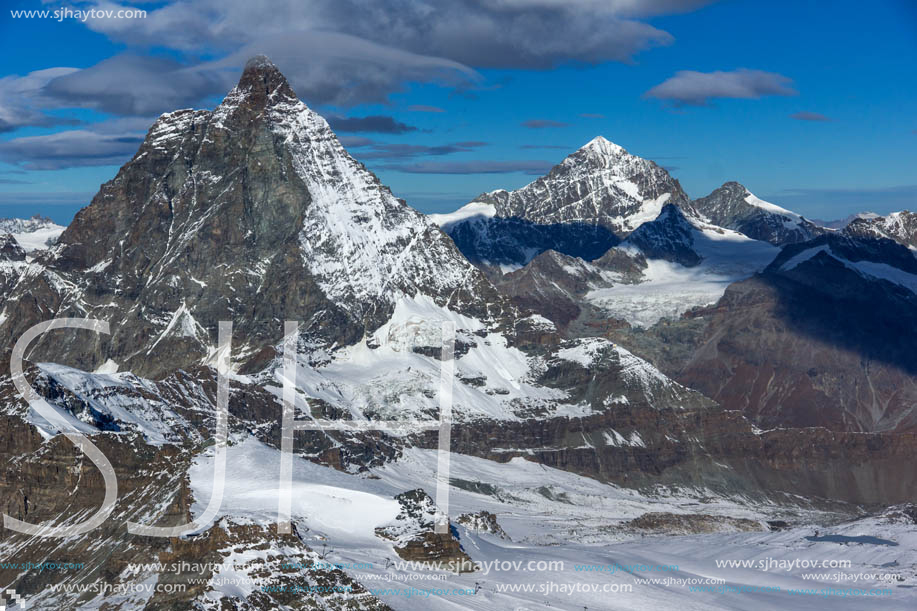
<point x="602" y="148"/>
<point x="598" y="184"/>
<point x="34" y="233"/>
<point x="733" y="206"/>
<point x="253" y="209"/>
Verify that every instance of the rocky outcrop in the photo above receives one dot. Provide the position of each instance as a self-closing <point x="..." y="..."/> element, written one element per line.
<point x="690" y="524"/>
<point x="482" y="522"/>
<point x="414" y="539"/>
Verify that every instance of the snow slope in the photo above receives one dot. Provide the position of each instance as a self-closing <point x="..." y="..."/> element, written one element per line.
<point x="569" y="546"/>
<point x="32" y="234"/>
<point x="668" y="289"/>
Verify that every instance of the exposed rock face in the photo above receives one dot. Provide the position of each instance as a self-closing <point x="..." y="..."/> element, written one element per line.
<point x="898" y="226"/>
<point x="252" y="213"/>
<point x="553" y="285"/>
<point x="482" y="522"/>
<point x="691" y="523"/>
<point x="414" y="538"/>
<point x="12" y="262"/>
<point x="735" y="207"/>
<point x="10" y="250"/>
<point x="713" y="449"/>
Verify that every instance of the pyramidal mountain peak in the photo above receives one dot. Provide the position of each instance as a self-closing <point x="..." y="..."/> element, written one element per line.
<point x="598" y="184"/>
<point x="734" y="206"/>
<point x="602" y="147"/>
<point x="251" y="212"/>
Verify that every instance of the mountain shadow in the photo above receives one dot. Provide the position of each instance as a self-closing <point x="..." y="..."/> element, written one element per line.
<point x="515" y="241"/>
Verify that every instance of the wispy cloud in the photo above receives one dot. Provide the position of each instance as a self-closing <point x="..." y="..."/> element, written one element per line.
<point x="591" y="115"/>
<point x="107" y="143"/>
<point x="379" y="124"/>
<point x="353" y="142"/>
<point x="381" y="150"/>
<point x="546" y="146"/>
<point x="473" y="167"/>
<point x="542" y="123"/>
<point x="809" y="116"/>
<point x="424" y="108"/>
<point x="691" y="88"/>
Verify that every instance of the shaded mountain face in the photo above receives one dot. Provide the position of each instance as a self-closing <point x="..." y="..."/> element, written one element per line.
<point x="735" y="207"/>
<point x="670" y="236"/>
<point x="898" y="226"/>
<point x="666" y="267"/>
<point x="495" y="243"/>
<point x="253" y="213"/>
<point x="823" y="337"/>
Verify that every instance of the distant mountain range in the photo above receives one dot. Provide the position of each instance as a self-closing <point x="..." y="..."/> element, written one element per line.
<point x="612" y="337"/>
<point x="683" y="264"/>
<point x="35" y="233"/>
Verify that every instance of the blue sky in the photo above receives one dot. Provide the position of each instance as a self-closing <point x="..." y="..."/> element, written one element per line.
<point x="453" y="108"/>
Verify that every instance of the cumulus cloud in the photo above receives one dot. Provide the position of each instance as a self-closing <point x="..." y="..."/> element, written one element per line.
<point x="473" y="167"/>
<point x="542" y="123"/>
<point x="809" y="116"/>
<point x="691" y="88"/>
<point x="379" y="124"/>
<point x="359" y="52"/>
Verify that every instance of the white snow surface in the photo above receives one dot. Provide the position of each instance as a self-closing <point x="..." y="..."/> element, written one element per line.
<point x="385" y="378"/>
<point x="474" y="209"/>
<point x="669" y="289"/>
<point x="32" y="234"/>
<point x="572" y="521"/>
<point x="129" y="401"/>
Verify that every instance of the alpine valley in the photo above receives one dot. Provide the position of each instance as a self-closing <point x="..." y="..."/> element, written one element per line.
<point x="640" y="379"/>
